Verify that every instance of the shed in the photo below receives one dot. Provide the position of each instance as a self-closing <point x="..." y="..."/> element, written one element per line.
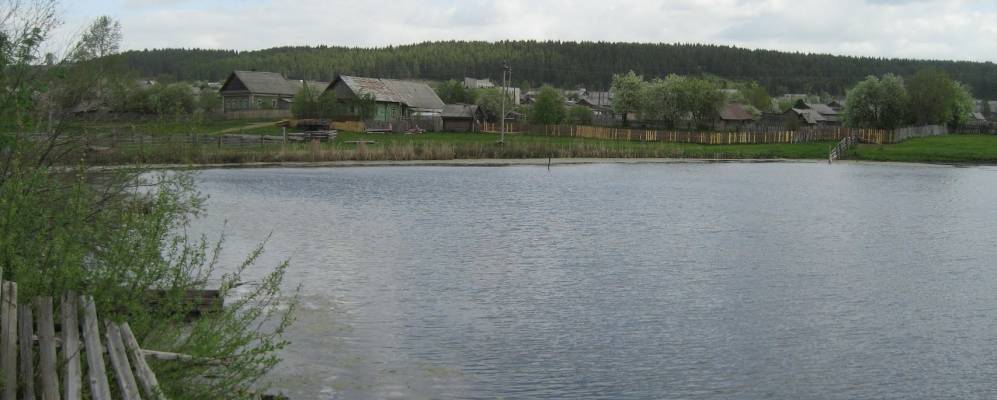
<point x="733" y="116"/>
<point x="462" y="117"/>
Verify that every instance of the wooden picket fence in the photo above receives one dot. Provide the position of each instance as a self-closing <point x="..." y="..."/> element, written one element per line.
<point x="61" y="356"/>
<point x="802" y="135"/>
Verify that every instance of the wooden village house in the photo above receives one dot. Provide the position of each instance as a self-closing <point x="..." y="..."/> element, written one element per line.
<point x="734" y="117"/>
<point x="462" y="117"/>
<point x="811" y="114"/>
<point x="393" y="98"/>
<point x="257" y="90"/>
<point x="601" y="104"/>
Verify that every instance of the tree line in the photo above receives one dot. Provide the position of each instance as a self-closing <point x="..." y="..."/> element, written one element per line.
<point x="930" y="97"/>
<point x="558" y="63"/>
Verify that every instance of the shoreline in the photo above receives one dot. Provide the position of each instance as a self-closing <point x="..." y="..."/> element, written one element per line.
<point x="492" y="162"/>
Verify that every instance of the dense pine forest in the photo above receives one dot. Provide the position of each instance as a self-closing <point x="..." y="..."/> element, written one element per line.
<point x="563" y="64"/>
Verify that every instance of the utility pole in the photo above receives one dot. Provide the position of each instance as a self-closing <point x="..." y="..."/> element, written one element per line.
<point x="505" y="94"/>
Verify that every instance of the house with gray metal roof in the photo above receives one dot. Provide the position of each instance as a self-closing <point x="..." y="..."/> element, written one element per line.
<point x="258" y="90"/>
<point x="393" y="98"/>
<point x="816" y="113"/>
<point x="804" y="116"/>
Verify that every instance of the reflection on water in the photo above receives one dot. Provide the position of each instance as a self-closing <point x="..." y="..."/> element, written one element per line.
<point x="701" y="281"/>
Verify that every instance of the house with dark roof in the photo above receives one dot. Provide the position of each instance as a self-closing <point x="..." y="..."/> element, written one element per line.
<point x="462" y="117"/>
<point x="802" y="117"/>
<point x="812" y="114"/>
<point x="734" y="116"/>
<point x="257" y="90"/>
<point x="393" y="98"/>
<point x="601" y="103"/>
<point x="837" y="105"/>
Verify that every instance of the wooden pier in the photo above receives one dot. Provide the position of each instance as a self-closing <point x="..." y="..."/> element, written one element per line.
<point x="841" y="148"/>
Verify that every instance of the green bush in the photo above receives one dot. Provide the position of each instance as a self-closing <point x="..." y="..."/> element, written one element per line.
<point x="120" y="236"/>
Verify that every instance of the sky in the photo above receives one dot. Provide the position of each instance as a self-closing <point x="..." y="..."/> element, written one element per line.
<point x="925" y="29"/>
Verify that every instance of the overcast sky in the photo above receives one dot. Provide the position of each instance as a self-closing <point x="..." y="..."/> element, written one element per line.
<point x="937" y="29"/>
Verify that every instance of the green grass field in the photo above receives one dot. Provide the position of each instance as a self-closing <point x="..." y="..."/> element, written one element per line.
<point x="540" y="146"/>
<point x="969" y="149"/>
<point x="447" y="146"/>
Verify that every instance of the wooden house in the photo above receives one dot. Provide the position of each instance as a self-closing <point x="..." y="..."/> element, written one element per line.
<point x="825" y="114"/>
<point x="462" y="117"/>
<point x="393" y="98"/>
<point x="257" y="90"/>
<point x="601" y="103"/>
<point x="796" y="117"/>
<point x="734" y="117"/>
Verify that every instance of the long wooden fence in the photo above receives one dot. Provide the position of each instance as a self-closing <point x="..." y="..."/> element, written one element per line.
<point x="802" y="135"/>
<point x="137" y="141"/>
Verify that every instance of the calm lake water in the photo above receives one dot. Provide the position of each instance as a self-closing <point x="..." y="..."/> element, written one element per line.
<point x="681" y="281"/>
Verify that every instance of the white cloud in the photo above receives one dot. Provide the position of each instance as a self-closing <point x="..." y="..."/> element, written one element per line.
<point x="945" y="29"/>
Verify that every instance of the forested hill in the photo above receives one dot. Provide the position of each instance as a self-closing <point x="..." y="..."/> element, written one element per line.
<point x="564" y="64"/>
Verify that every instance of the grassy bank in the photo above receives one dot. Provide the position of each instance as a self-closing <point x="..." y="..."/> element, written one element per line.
<point x="970" y="149"/>
<point x="448" y="146"/>
<point x="443" y="146"/>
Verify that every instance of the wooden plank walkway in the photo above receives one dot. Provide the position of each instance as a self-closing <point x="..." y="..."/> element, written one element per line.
<point x="841" y="148"/>
<point x="18" y="343"/>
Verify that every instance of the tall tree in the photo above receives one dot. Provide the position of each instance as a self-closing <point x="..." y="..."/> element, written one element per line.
<point x="580" y="115"/>
<point x="490" y="100"/>
<point x="659" y="102"/>
<point x="101" y="39"/>
<point x="756" y="95"/>
<point x="628" y="94"/>
<point x="932" y="97"/>
<point x="548" y="108"/>
<point x="962" y="105"/>
<point x="91" y="66"/>
<point x="698" y="98"/>
<point x="453" y="92"/>
<point x="305" y="104"/>
<point x="877" y="103"/>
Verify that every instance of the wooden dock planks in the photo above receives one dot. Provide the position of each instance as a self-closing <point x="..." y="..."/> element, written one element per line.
<point x="8" y="340"/>
<point x="25" y="332"/>
<point x="97" y="374"/>
<point x="48" y="375"/>
<point x="119" y="361"/>
<point x="72" y="376"/>
<point x="25" y="375"/>
<point x="145" y="376"/>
